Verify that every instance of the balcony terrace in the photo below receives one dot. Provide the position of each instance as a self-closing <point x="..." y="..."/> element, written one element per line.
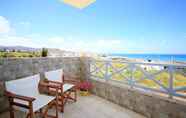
<point x="125" y="89"/>
<point x="93" y="106"/>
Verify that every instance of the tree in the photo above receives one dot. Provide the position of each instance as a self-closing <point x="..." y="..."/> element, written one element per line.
<point x="4" y="50"/>
<point x="44" y="52"/>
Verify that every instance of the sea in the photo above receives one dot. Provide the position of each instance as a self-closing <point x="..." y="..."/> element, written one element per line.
<point x="155" y="57"/>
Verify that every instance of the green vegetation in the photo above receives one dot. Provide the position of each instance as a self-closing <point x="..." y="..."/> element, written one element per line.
<point x="19" y="54"/>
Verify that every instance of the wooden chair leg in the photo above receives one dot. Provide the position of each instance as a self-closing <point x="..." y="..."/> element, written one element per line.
<point x="11" y="108"/>
<point x="45" y="113"/>
<point x="75" y="95"/>
<point x="28" y="115"/>
<point x="11" y="113"/>
<point x="31" y="110"/>
<point x="56" y="106"/>
<point x="40" y="112"/>
<point x="72" y="95"/>
<point x="62" y="104"/>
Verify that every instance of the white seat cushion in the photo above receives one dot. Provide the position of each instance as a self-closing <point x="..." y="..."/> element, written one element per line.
<point x="39" y="102"/>
<point x="28" y="87"/>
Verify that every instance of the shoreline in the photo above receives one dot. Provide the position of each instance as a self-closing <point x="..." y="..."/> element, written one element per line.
<point x="180" y="58"/>
<point x="122" y="58"/>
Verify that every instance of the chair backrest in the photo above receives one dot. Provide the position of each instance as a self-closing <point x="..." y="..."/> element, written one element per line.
<point x="55" y="75"/>
<point x="27" y="86"/>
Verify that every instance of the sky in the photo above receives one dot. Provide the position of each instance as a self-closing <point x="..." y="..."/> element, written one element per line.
<point x="106" y="26"/>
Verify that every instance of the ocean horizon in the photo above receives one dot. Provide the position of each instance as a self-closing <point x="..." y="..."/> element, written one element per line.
<point x="155" y="57"/>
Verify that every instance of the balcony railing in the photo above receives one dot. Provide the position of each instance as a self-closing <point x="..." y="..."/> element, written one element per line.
<point x="162" y="78"/>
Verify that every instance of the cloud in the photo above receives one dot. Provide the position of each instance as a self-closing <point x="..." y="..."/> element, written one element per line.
<point x="103" y="45"/>
<point x="9" y="40"/>
<point x="56" y="41"/>
<point x="92" y="45"/>
<point x="4" y="25"/>
<point x="75" y="43"/>
<point x="108" y="43"/>
<point x="35" y="42"/>
<point x="25" y="24"/>
<point x="68" y="43"/>
<point x="8" y="37"/>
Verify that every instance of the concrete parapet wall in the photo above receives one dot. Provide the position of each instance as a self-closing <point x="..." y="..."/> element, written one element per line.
<point x="11" y="69"/>
<point x="15" y="68"/>
<point x="149" y="105"/>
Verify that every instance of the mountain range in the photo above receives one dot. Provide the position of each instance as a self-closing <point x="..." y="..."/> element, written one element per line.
<point x="19" y="48"/>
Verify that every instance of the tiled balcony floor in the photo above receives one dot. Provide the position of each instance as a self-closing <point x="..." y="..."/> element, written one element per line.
<point x="95" y="107"/>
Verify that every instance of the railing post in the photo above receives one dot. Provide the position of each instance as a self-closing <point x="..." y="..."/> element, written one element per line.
<point x="106" y="71"/>
<point x="88" y="68"/>
<point x="131" y="82"/>
<point x="171" y="81"/>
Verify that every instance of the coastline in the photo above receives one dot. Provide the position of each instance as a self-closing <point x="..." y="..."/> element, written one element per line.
<point x="174" y="58"/>
<point x="140" y="60"/>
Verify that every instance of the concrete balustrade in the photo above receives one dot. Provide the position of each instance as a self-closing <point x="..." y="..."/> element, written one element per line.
<point x="15" y="68"/>
<point x="149" y="104"/>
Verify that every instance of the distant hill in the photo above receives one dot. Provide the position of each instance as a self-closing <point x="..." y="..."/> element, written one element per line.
<point x="19" y="48"/>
